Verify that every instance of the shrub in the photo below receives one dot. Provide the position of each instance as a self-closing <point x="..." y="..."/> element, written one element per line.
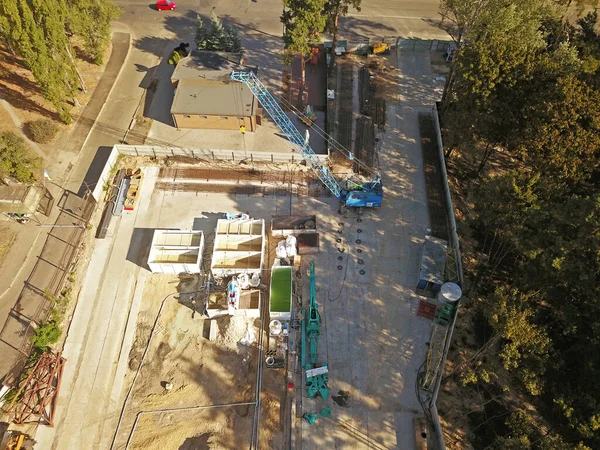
<point x="42" y="131"/>
<point x="17" y="160"/>
<point x="45" y="335"/>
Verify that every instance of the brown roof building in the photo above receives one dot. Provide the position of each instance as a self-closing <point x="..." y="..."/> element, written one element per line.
<point x="205" y="96"/>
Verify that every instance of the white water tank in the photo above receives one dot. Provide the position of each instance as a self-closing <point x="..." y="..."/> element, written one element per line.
<point x="449" y="293"/>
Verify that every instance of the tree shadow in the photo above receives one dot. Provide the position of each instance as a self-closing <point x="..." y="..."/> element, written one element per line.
<point x="199" y="442"/>
<point x="353" y="27"/>
<point x="21" y="101"/>
<point x="153" y="44"/>
<point x="83" y="55"/>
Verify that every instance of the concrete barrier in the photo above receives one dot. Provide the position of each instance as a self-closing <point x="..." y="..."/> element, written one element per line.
<point x="207" y="154"/>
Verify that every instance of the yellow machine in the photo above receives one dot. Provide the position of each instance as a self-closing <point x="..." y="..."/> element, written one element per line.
<point x="379" y="48"/>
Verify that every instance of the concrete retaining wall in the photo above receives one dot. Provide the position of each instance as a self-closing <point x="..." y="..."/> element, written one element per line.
<point x="206" y="154"/>
<point x="104" y="178"/>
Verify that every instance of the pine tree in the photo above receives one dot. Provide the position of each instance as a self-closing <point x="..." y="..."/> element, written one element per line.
<point x="91" y="19"/>
<point x="227" y="41"/>
<point x="36" y="30"/>
<point x="201" y="34"/>
<point x="217" y="38"/>
<point x="234" y="41"/>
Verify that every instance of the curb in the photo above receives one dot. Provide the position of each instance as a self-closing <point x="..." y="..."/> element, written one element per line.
<point x="74" y="163"/>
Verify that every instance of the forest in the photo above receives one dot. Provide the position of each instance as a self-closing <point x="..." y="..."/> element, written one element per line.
<point x="521" y="125"/>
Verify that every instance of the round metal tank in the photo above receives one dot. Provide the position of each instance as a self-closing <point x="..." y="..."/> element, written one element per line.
<point x="449" y="292"/>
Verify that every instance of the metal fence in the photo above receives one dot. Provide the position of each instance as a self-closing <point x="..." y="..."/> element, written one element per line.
<point x="454" y="243"/>
<point x="47" y="279"/>
<point x="210" y="155"/>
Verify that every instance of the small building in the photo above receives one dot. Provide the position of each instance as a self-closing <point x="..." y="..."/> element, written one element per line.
<point x="207" y="98"/>
<point x="239" y="247"/>
<point x="176" y="251"/>
<point x="25" y="199"/>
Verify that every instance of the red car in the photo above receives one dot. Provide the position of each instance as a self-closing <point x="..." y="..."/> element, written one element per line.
<point x="164" y="5"/>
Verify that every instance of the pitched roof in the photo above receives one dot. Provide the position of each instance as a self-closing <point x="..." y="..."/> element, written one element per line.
<point x="204" y="85"/>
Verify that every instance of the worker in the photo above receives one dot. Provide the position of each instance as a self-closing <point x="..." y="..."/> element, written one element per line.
<point x="243" y="128"/>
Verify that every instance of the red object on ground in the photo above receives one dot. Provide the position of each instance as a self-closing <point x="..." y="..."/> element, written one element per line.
<point x="290" y="385"/>
<point x="314" y="56"/>
<point x="426" y="310"/>
<point x="164" y="5"/>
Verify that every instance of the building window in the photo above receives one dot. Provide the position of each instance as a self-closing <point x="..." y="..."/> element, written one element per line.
<point x="187" y="117"/>
<point x="224" y="118"/>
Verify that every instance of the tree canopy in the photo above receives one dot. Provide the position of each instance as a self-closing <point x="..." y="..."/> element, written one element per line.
<point x="220" y="38"/>
<point x="523" y="112"/>
<point x="40" y="33"/>
<point x="17" y="160"/>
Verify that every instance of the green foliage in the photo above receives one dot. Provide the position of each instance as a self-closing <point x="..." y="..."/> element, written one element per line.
<point x="335" y="8"/>
<point x="234" y="43"/>
<point x="304" y="21"/>
<point x="46" y="335"/>
<point x="17" y="161"/>
<point x="39" y="31"/>
<point x="527" y="84"/>
<point x="220" y="38"/>
<point x="91" y="20"/>
<point x="43" y="131"/>
<point x="217" y="39"/>
<point x="201" y="34"/>
<point x="525" y="345"/>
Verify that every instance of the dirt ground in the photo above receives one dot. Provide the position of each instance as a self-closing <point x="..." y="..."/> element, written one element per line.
<point x="18" y="88"/>
<point x="203" y="373"/>
<point x="7" y="235"/>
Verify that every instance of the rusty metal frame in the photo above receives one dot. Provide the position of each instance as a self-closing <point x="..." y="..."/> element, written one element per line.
<point x="37" y="395"/>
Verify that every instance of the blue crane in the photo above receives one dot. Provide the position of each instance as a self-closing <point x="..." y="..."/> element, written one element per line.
<point x="352" y="192"/>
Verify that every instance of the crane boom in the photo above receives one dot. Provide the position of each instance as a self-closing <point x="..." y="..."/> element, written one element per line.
<point x="271" y="105"/>
<point x="351" y="192"/>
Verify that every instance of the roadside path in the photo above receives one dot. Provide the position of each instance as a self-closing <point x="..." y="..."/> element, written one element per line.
<point x="17" y="121"/>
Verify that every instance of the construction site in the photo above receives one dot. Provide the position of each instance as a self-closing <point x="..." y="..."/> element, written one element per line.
<point x="272" y="300"/>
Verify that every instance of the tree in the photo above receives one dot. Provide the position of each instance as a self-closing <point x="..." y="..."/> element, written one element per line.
<point x="334" y="9"/>
<point x="91" y="20"/>
<point x="234" y="43"/>
<point x="562" y="137"/>
<point x="458" y="16"/>
<point x="201" y="34"/>
<point x="37" y="30"/>
<point x="17" y="161"/>
<point x="217" y="39"/>
<point x="304" y="21"/>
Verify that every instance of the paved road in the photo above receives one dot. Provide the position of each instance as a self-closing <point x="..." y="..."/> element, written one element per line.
<point x="406" y="18"/>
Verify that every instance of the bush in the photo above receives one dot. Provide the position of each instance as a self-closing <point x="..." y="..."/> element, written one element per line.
<point x="17" y="160"/>
<point x="45" y="335"/>
<point x="42" y="131"/>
